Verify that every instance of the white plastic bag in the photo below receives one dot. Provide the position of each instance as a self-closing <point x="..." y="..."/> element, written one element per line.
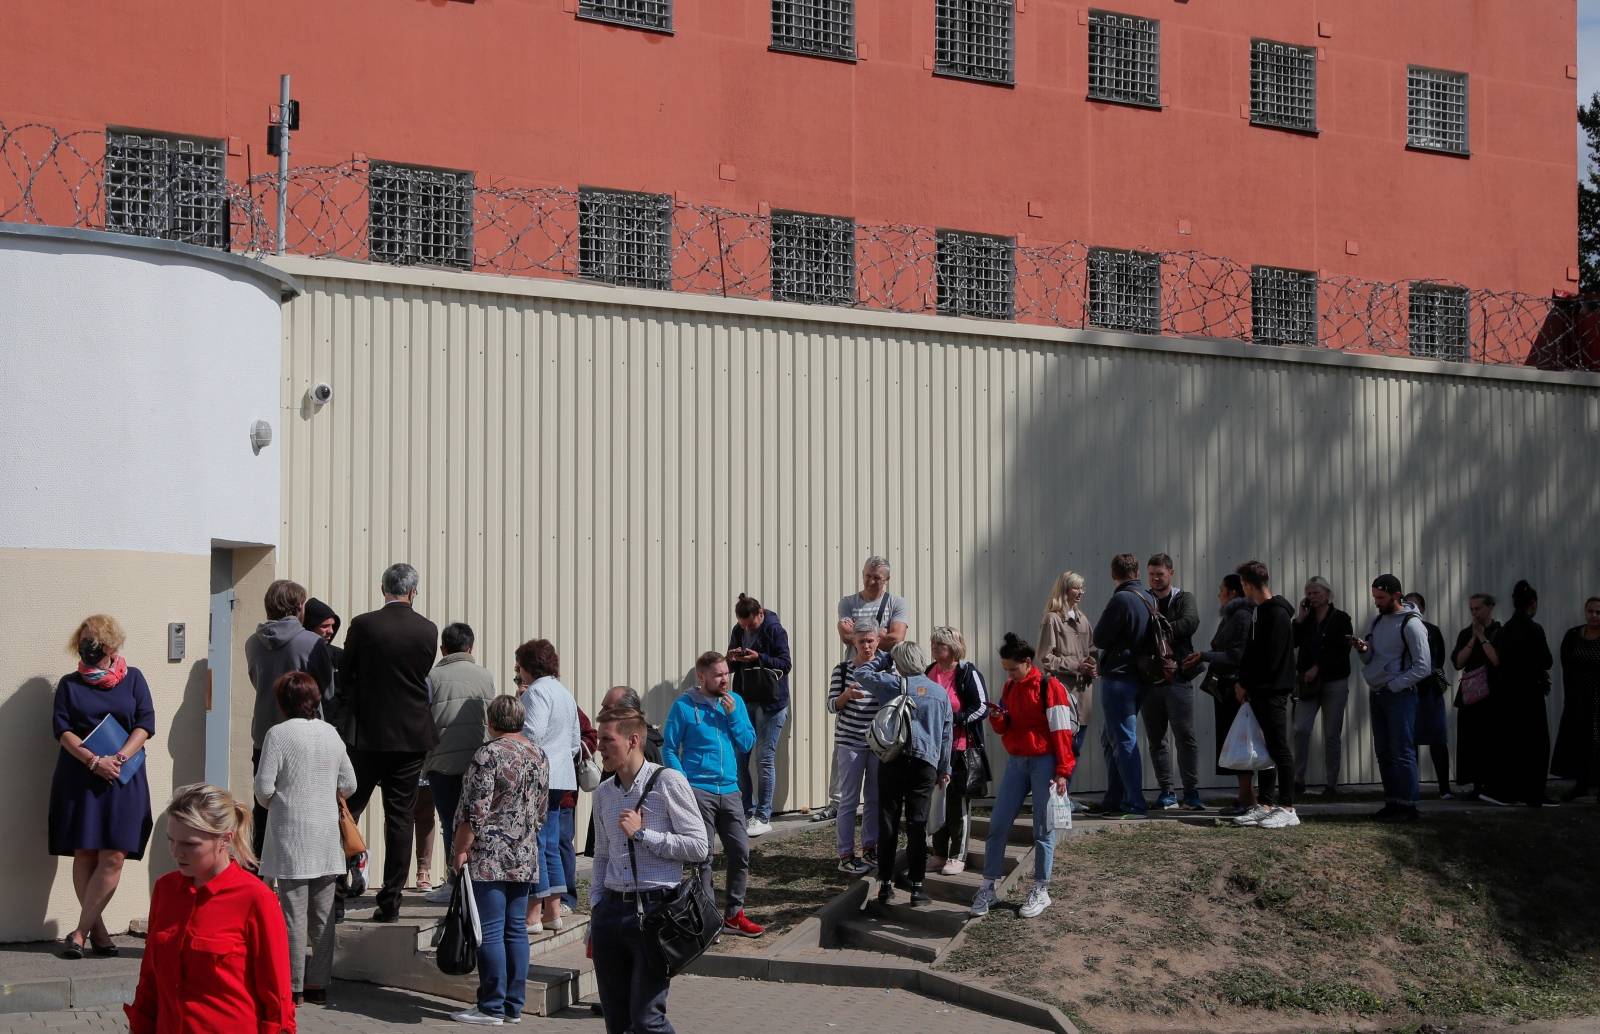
<point x="1245" y="749"/>
<point x="1058" y="814"/>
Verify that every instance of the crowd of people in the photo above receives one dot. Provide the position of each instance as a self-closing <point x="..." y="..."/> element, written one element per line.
<point x="260" y="884"/>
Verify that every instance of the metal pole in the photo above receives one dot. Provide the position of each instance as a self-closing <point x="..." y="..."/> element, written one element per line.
<point x="283" y="161"/>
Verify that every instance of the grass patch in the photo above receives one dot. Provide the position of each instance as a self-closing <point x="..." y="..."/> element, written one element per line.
<point x="792" y="875"/>
<point x="1339" y="922"/>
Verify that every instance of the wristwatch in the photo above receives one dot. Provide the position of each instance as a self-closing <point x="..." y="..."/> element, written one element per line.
<point x="638" y="835"/>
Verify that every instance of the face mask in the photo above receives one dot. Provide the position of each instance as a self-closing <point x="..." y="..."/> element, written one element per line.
<point x="90" y="652"/>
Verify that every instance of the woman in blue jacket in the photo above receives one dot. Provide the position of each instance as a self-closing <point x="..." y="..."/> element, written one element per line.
<point x="758" y="648"/>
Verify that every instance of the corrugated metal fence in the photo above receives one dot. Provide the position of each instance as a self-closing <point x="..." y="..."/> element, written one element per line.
<point x="610" y="468"/>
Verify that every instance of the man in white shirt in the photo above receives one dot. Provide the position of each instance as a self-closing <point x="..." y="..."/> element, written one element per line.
<point x="665" y="830"/>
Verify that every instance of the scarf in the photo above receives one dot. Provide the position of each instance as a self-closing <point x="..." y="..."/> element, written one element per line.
<point x="104" y="678"/>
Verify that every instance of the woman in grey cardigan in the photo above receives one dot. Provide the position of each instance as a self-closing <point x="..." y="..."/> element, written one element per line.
<point x="304" y="770"/>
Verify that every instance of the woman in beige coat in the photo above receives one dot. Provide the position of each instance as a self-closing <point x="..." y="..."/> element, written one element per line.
<point x="1066" y="651"/>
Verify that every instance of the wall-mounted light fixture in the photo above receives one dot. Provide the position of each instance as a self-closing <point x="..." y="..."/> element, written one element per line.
<point x="260" y="436"/>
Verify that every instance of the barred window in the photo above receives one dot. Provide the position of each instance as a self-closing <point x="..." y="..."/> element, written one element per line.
<point x="1125" y="290"/>
<point x="1439" y="321"/>
<point x="813" y="258"/>
<point x="976" y="274"/>
<point x="638" y="14"/>
<point x="1283" y="85"/>
<point x="1283" y="306"/>
<point x="1124" y="59"/>
<point x="171" y="187"/>
<point x="625" y="238"/>
<point x="972" y="39"/>
<point x="825" y="28"/>
<point x="1436" y="110"/>
<point x="418" y="216"/>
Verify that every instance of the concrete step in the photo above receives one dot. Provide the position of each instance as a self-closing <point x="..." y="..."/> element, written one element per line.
<point x="955" y="890"/>
<point x="421" y="924"/>
<point x="977" y="856"/>
<point x="892" y="937"/>
<point x="944" y="918"/>
<point x="1021" y="830"/>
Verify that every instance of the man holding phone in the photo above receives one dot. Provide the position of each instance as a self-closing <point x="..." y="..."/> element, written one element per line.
<point x="1395" y="652"/>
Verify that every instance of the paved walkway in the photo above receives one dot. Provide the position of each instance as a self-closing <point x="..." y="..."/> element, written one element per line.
<point x="697" y="1004"/>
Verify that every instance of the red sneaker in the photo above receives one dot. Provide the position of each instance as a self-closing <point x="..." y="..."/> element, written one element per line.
<point x="740" y="926"/>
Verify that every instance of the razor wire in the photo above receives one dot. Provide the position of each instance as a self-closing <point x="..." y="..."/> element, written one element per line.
<point x="59" y="178"/>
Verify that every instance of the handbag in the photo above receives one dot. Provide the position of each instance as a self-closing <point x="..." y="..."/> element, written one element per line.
<point x="587" y="765"/>
<point x="1474" y="685"/>
<point x="688" y="921"/>
<point x="457" y="936"/>
<point x="975" y="760"/>
<point x="758" y="686"/>
<point x="350" y="833"/>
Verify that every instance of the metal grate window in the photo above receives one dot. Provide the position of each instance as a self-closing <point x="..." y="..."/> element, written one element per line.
<point x="171" y="187"/>
<point x="1124" y="59"/>
<point x="1439" y="321"/>
<point x="625" y="238"/>
<point x="1283" y="85"/>
<point x="1283" y="306"/>
<point x="976" y="274"/>
<point x="1125" y="290"/>
<point x="418" y="216"/>
<point x="826" y="28"/>
<point x="973" y="39"/>
<point x="639" y="14"/>
<point x="1436" y="110"/>
<point x="813" y="258"/>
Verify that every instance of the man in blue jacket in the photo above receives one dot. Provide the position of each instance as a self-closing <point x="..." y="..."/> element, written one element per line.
<point x="1120" y="632"/>
<point x="707" y="731"/>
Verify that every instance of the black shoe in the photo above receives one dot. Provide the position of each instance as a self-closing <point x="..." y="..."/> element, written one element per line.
<point x="595" y="1009"/>
<point x="919" y="897"/>
<point x="385" y="916"/>
<point x="299" y="998"/>
<point x="71" y="949"/>
<point x="1387" y="812"/>
<point x="316" y="995"/>
<point x="108" y="950"/>
<point x="885" y="893"/>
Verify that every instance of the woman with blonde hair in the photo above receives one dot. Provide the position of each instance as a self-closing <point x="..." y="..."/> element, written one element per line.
<point x="1066" y="652"/>
<point x="969" y="756"/>
<point x="97" y="818"/>
<point x="217" y="954"/>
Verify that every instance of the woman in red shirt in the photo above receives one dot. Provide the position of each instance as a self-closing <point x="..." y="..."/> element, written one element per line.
<point x="1034" y="720"/>
<point x="217" y="955"/>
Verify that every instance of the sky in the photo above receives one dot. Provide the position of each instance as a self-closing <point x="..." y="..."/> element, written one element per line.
<point x="1588" y="59"/>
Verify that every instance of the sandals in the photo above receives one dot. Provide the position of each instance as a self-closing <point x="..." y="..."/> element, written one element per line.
<point x="424" y="881"/>
<point x="71" y="949"/>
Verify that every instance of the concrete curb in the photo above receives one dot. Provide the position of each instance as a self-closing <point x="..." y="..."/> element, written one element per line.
<point x="51" y="994"/>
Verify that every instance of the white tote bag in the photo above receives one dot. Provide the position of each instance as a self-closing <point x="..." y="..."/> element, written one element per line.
<point x="1245" y="749"/>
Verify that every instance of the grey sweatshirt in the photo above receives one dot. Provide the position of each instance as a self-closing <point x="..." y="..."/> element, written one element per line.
<point x="277" y="648"/>
<point x="1392" y="640"/>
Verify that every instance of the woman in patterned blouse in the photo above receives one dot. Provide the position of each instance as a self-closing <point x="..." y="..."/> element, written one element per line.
<point x="503" y="799"/>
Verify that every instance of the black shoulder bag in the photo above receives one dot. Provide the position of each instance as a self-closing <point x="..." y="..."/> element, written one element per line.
<point x="687" y="922"/>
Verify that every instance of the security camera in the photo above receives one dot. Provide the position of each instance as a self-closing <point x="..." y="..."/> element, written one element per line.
<point x="320" y="394"/>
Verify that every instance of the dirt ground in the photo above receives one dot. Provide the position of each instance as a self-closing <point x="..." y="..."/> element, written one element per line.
<point x="1457" y="923"/>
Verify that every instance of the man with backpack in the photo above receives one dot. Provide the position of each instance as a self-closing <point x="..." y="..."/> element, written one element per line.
<point x="1170" y="706"/>
<point x="1396" y="659"/>
<point x="1123" y="637"/>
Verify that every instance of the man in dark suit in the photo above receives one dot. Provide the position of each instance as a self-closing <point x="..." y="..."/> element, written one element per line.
<point x="383" y="679"/>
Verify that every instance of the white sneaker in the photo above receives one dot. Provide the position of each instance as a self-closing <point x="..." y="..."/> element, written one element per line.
<point x="1253" y="817"/>
<point x="439" y="895"/>
<point x="758" y="828"/>
<point x="1281" y="818"/>
<point x="986" y="896"/>
<point x="1038" y="901"/>
<point x="953" y="866"/>
<point x="472" y="1015"/>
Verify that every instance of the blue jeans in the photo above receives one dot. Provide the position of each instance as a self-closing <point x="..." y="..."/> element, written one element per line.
<point x="628" y="970"/>
<point x="768" y="726"/>
<point x="1022" y="777"/>
<point x="569" y="857"/>
<point x="552" y="876"/>
<point x="1394" y="740"/>
<point x="446" y="796"/>
<point x="503" y="953"/>
<point x="1119" y="738"/>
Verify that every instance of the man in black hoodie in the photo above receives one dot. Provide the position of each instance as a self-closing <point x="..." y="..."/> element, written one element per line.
<point x="320" y="618"/>
<point x="1266" y="683"/>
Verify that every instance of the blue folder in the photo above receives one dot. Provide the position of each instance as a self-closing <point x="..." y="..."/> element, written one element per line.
<point x="108" y="738"/>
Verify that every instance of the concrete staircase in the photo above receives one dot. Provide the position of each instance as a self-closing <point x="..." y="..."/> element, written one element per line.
<point x="401" y="954"/>
<point x="924" y="934"/>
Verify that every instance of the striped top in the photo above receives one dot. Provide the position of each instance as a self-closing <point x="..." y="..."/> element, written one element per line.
<point x="850" y="727"/>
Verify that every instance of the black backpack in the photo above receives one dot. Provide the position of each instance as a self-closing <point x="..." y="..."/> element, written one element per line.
<point x="1153" y="659"/>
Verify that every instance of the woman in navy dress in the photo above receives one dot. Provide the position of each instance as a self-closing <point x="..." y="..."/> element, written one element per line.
<point x="94" y="817"/>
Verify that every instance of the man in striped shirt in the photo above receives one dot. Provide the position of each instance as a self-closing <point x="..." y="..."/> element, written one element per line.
<point x="665" y="830"/>
<point x="856" y="766"/>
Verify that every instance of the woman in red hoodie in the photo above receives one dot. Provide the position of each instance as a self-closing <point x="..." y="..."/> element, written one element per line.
<point x="1034" y="720"/>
